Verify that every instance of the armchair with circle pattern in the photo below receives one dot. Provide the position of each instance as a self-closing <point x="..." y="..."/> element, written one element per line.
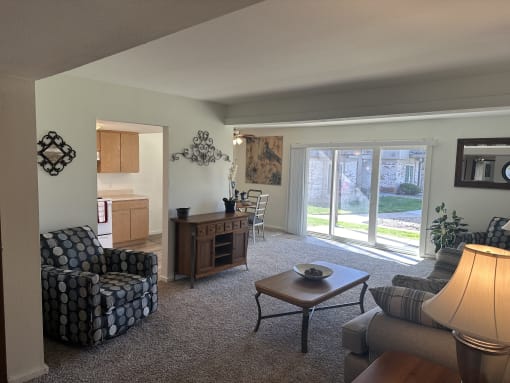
<point x="91" y="294"/>
<point x="494" y="236"/>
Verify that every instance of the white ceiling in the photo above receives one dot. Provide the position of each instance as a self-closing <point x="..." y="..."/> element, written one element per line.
<point x="277" y="47"/>
<point x="39" y="38"/>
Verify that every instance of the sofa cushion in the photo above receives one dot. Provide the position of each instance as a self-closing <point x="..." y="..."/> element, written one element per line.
<point x="404" y="303"/>
<point x="417" y="283"/>
<point x="75" y="248"/>
<point x="118" y="288"/>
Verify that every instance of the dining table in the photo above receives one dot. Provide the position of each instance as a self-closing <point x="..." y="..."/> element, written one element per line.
<point x="242" y="205"/>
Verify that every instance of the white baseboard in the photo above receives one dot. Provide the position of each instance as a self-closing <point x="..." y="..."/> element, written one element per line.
<point x="164" y="278"/>
<point x="20" y="378"/>
<point x="276" y="228"/>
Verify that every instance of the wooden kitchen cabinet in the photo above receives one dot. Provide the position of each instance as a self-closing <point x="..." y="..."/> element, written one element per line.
<point x="129" y="152"/>
<point x="209" y="243"/>
<point x="130" y="221"/>
<point x="118" y="152"/>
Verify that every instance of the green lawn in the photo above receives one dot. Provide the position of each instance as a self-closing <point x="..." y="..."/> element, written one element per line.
<point x="387" y="204"/>
<point x="399" y="233"/>
<point x="393" y="204"/>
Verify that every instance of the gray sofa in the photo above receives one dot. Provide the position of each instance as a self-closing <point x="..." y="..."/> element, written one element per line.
<point x="369" y="335"/>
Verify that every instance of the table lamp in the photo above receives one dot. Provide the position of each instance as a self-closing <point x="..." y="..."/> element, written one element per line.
<point x="475" y="304"/>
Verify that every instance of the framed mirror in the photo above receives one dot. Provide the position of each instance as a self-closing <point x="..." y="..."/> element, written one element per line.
<point x="483" y="163"/>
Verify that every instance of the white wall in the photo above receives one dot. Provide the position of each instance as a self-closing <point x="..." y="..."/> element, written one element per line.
<point x="477" y="206"/>
<point x="71" y="107"/>
<point x="148" y="181"/>
<point x="20" y="230"/>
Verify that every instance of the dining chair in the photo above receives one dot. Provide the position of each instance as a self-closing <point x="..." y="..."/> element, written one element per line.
<point x="249" y="203"/>
<point x="253" y="194"/>
<point x="256" y="218"/>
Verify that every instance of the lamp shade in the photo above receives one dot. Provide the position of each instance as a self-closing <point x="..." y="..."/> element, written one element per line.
<point x="476" y="300"/>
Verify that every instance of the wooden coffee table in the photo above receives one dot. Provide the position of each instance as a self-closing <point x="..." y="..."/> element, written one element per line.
<point x="307" y="294"/>
<point x="399" y="367"/>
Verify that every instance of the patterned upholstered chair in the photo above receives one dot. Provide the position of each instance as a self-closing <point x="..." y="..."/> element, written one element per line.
<point x="91" y="294"/>
<point x="494" y="236"/>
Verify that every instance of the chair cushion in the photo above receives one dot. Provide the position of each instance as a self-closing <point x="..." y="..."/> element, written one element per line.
<point x="119" y="288"/>
<point x="496" y="236"/>
<point x="253" y="220"/>
<point x="75" y="248"/>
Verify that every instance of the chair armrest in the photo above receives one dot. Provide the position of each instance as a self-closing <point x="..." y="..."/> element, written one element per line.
<point x="471" y="237"/>
<point x="133" y="262"/>
<point x="71" y="304"/>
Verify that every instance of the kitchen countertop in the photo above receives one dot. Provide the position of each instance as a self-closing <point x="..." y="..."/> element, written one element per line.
<point x="127" y="197"/>
<point x="124" y="197"/>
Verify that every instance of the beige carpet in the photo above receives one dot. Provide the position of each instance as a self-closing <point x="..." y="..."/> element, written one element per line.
<point x="206" y="334"/>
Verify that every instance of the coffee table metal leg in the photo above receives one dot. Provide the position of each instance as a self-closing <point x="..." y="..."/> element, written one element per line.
<point x="362" y="297"/>
<point x="304" y="330"/>
<point x="259" y="310"/>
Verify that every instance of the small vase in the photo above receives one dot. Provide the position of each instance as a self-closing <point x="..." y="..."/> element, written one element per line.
<point x="182" y="212"/>
<point x="230" y="206"/>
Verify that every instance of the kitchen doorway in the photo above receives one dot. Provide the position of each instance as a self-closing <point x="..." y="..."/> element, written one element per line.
<point x="142" y="183"/>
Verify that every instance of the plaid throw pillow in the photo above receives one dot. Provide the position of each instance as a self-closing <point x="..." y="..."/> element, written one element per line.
<point x="404" y="303"/>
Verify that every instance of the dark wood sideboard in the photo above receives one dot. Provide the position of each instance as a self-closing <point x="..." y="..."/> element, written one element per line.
<point x="206" y="244"/>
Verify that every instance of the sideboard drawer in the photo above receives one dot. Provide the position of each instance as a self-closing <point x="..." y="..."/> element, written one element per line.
<point x="220" y="228"/>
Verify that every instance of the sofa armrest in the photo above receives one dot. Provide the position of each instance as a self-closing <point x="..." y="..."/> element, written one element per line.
<point x="354" y="332"/>
<point x="71" y="305"/>
<point x="386" y="333"/>
<point x="447" y="260"/>
<point x="133" y="262"/>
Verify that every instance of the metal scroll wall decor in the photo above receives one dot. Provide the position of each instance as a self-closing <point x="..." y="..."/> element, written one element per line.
<point x="202" y="150"/>
<point x="54" y="154"/>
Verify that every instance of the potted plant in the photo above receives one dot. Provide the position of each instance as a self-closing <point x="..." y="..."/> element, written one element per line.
<point x="443" y="230"/>
<point x="230" y="202"/>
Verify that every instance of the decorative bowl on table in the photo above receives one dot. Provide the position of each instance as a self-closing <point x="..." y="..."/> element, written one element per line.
<point x="312" y="271"/>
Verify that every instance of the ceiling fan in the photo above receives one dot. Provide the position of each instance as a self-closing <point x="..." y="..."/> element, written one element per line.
<point x="237" y="137"/>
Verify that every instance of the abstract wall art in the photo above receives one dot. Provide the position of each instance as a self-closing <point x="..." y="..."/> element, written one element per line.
<point x="264" y="160"/>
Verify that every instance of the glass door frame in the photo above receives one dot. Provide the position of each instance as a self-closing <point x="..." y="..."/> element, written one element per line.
<point x="376" y="148"/>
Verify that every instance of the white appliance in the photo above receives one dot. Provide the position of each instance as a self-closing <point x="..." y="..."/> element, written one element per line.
<point x="104" y="222"/>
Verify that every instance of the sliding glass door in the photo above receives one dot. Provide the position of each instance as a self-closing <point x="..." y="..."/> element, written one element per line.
<point x="352" y="194"/>
<point x="401" y="184"/>
<point x="320" y="166"/>
<point x="367" y="194"/>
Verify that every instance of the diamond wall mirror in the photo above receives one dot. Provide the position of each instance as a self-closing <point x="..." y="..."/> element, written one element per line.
<point x="54" y="154"/>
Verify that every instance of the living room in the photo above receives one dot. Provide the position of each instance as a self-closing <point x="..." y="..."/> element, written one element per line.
<point x="469" y="103"/>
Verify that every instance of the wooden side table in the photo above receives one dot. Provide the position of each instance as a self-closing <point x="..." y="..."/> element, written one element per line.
<point x="399" y="367"/>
